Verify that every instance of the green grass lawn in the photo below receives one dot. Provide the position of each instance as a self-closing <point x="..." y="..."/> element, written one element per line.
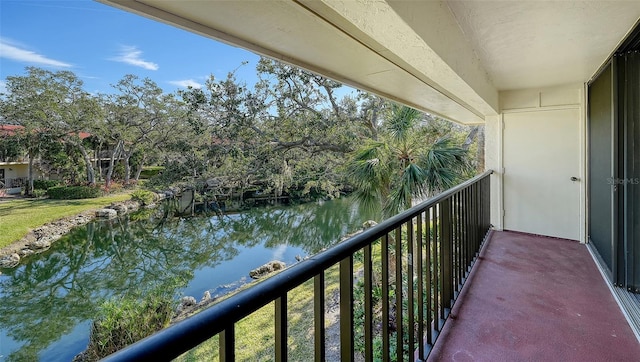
<point x="18" y="216"/>
<point x="255" y="333"/>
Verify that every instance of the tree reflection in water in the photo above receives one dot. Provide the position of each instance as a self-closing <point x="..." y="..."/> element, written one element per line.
<point x="46" y="304"/>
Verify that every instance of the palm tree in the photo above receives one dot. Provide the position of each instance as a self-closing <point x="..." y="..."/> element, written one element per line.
<point x="406" y="162"/>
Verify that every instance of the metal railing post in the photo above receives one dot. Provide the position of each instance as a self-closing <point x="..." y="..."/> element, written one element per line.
<point x="399" y="329"/>
<point x="430" y="307"/>
<point x="447" y="256"/>
<point x="368" y="304"/>
<point x="410" y="296"/>
<point x="227" y="344"/>
<point x="420" y="279"/>
<point x="318" y="317"/>
<point x="346" y="309"/>
<point x="281" y="328"/>
<point x="384" y="249"/>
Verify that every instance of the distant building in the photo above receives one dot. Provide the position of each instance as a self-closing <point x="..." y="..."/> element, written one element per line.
<point x="14" y="171"/>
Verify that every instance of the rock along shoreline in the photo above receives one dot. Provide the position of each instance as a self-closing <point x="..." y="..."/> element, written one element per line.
<point x="40" y="239"/>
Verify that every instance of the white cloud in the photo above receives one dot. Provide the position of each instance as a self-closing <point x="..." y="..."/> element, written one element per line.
<point x="186" y="83"/>
<point x="10" y="51"/>
<point x="131" y="55"/>
<point x="3" y="86"/>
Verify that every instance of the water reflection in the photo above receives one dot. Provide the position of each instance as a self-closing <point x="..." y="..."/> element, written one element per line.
<point x="46" y="304"/>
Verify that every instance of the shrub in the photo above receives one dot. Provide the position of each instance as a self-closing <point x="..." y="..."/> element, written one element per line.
<point x="113" y="187"/>
<point x="39" y="193"/>
<point x="125" y="321"/>
<point x="144" y="196"/>
<point x="131" y="185"/>
<point x="45" y="184"/>
<point x="150" y="171"/>
<point x="73" y="192"/>
<point x="118" y="171"/>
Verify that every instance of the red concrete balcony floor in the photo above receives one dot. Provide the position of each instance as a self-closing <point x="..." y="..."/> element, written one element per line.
<point x="533" y="298"/>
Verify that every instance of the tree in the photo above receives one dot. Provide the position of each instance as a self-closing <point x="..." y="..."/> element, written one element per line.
<point x="61" y="158"/>
<point x="408" y="161"/>
<point x="289" y="134"/>
<point x="52" y="107"/>
<point x="10" y="147"/>
<point x="26" y="104"/>
<point x="138" y="120"/>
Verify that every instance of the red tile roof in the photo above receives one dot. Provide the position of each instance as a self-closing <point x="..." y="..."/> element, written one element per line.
<point x="9" y="129"/>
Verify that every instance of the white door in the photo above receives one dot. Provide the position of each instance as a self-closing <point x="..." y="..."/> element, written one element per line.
<point x="541" y="154"/>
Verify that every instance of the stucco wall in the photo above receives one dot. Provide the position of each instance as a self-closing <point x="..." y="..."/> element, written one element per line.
<point x="17" y="170"/>
<point x="14" y="171"/>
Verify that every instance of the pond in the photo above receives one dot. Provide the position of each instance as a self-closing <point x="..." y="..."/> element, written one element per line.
<point x="47" y="304"/>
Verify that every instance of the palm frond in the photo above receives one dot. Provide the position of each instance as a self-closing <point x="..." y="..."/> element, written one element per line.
<point x="402" y="121"/>
<point x="409" y="186"/>
<point x="369" y="171"/>
<point x="371" y="150"/>
<point x="405" y="164"/>
<point x="442" y="165"/>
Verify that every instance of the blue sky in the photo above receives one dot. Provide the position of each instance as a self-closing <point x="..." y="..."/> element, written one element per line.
<point x="101" y="44"/>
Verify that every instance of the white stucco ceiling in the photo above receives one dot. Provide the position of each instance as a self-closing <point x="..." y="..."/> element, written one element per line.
<point x="450" y="58"/>
<point x="526" y="44"/>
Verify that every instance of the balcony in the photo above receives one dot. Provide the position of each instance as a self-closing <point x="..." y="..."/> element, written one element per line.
<point x="533" y="298"/>
<point x="467" y="292"/>
<point x="547" y="95"/>
<point x="13" y="182"/>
